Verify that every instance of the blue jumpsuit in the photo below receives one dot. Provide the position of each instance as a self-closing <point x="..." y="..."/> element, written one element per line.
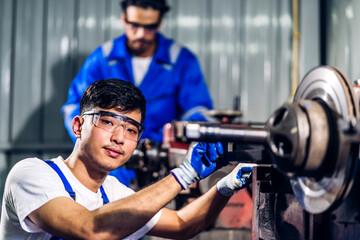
<point x="174" y="86"/>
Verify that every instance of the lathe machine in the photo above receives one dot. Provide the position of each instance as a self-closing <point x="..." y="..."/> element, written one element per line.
<point x="305" y="184"/>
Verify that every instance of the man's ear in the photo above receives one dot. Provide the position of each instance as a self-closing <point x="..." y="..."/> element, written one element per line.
<point x="77" y="123"/>
<point x="123" y="18"/>
<point x="161" y="23"/>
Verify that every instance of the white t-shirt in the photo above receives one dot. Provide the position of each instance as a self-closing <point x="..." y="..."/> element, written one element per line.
<point x="31" y="183"/>
<point x="140" y="67"/>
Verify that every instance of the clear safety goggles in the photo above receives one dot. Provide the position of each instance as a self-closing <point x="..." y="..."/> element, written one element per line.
<point x="111" y="122"/>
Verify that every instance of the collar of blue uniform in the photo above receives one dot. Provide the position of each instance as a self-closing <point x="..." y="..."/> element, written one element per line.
<point x="162" y="53"/>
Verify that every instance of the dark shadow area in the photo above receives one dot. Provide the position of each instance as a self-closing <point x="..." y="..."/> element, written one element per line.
<point x="44" y="131"/>
<point x="45" y="122"/>
<point x="284" y="229"/>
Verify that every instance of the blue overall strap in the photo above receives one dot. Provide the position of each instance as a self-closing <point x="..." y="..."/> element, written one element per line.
<point x="105" y="201"/>
<point x="104" y="196"/>
<point x="67" y="186"/>
<point x="69" y="189"/>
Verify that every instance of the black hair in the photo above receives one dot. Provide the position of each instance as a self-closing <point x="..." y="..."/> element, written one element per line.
<point x="160" y="5"/>
<point x="113" y="93"/>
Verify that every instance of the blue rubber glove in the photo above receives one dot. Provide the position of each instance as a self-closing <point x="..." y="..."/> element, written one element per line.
<point x="200" y="161"/>
<point x="238" y="179"/>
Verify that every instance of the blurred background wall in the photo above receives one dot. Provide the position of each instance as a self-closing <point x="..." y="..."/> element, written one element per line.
<point x="254" y="49"/>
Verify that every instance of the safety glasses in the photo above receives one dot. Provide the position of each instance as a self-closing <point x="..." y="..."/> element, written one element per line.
<point x="111" y="122"/>
<point x="148" y="27"/>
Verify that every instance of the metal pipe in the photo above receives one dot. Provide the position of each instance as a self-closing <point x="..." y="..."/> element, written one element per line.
<point x="214" y="133"/>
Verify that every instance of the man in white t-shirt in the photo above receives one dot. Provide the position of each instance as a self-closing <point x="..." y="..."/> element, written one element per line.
<point x="75" y="198"/>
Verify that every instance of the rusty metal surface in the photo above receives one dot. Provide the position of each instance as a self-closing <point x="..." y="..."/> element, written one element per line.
<point x="237" y="214"/>
<point x="276" y="212"/>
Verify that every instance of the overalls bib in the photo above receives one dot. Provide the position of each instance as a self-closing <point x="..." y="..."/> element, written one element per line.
<point x="68" y="187"/>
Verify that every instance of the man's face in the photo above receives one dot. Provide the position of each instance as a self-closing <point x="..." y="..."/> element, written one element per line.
<point x="106" y="150"/>
<point x="141" y="26"/>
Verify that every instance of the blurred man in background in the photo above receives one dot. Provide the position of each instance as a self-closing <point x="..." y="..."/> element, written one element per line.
<point x="168" y="74"/>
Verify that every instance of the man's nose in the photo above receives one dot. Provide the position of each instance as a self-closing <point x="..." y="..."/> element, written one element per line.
<point x="140" y="32"/>
<point x="119" y="135"/>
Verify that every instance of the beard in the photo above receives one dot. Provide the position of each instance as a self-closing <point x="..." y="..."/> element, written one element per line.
<point x="93" y="162"/>
<point x="140" y="46"/>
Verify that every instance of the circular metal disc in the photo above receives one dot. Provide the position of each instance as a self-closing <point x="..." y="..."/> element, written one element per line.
<point x="331" y="86"/>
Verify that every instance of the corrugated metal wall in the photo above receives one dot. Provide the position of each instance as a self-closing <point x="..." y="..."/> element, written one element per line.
<point x="343" y="51"/>
<point x="244" y="48"/>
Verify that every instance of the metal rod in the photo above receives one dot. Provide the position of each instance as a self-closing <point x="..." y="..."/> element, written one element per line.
<point x="213" y="133"/>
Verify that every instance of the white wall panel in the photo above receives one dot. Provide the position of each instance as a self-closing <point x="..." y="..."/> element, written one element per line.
<point x="91" y="25"/>
<point x="309" y="36"/>
<point x="6" y="55"/>
<point x="113" y="18"/>
<point x="27" y="79"/>
<point x="60" y="65"/>
<point x="343" y="37"/>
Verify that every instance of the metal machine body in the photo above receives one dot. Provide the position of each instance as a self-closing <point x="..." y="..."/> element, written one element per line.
<point x="313" y="147"/>
<point x="305" y="184"/>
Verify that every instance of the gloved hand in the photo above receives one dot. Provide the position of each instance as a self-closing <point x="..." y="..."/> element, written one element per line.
<point x="200" y="161"/>
<point x="234" y="181"/>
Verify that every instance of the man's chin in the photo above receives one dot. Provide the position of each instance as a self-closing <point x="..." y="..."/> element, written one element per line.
<point x="112" y="164"/>
<point x="118" y="165"/>
<point x="139" y="51"/>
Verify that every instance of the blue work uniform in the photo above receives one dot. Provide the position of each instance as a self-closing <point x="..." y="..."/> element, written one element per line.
<point x="174" y="86"/>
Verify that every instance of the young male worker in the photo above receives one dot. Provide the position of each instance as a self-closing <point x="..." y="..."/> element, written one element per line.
<point x="76" y="199"/>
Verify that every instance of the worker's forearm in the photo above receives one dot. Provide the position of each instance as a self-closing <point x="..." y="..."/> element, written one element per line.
<point x="114" y="220"/>
<point x="127" y="215"/>
<point x="200" y="213"/>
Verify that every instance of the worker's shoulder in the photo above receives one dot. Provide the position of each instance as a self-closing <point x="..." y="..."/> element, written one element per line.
<point x="179" y="53"/>
<point x="113" y="48"/>
<point x="27" y="167"/>
<point x="180" y="50"/>
<point x="28" y="162"/>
